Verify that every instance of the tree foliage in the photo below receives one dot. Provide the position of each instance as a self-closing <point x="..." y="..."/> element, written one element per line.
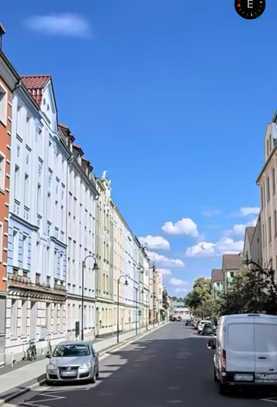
<point x="252" y="290"/>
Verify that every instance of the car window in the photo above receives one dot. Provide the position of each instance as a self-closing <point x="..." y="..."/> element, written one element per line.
<point x="71" y="350"/>
<point x="266" y="337"/>
<point x="241" y="337"/>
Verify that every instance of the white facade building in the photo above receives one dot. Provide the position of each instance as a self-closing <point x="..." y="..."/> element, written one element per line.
<point x="81" y="199"/>
<point x="37" y="219"/>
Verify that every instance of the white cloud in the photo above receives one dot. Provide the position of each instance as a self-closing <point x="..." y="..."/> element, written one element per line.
<point x="177" y="282"/>
<point x="165" y="272"/>
<point x="201" y="249"/>
<point x="165" y="262"/>
<point x="65" y="24"/>
<point x="154" y="242"/>
<point x="246" y="211"/>
<point x="185" y="226"/>
<point x="226" y="245"/>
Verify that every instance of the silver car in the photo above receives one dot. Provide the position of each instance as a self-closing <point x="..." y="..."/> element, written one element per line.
<point x="73" y="361"/>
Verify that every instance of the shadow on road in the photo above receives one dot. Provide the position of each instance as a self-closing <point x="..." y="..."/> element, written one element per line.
<point x="164" y="369"/>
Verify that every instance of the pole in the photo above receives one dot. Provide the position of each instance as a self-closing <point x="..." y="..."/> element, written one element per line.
<point x="136" y="288"/>
<point x="118" y="281"/>
<point x="82" y="303"/>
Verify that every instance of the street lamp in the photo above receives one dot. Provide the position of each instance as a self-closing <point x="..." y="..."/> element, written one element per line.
<point x="118" y="284"/>
<point x="95" y="268"/>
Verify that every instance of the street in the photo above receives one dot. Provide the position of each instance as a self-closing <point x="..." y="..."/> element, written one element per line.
<point x="171" y="366"/>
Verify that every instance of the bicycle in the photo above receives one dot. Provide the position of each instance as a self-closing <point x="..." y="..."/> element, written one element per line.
<point x="31" y="352"/>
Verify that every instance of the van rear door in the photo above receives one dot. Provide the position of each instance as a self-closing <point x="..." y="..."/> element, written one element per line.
<point x="265" y="335"/>
<point x="240" y="347"/>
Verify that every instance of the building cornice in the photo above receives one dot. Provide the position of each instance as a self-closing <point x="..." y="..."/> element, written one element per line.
<point x="24" y="222"/>
<point x="266" y="164"/>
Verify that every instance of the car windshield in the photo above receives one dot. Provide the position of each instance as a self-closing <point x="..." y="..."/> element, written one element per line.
<point x="71" y="350"/>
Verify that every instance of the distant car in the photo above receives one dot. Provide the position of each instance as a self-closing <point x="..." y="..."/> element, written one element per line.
<point x="201" y="325"/>
<point x="208" y="329"/>
<point x="188" y="322"/>
<point x="172" y="318"/>
<point x="72" y="361"/>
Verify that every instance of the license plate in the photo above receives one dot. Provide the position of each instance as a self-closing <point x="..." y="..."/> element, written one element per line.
<point x="243" y="377"/>
<point x="266" y="377"/>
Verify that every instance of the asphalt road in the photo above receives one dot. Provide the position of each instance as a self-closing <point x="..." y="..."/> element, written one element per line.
<point x="170" y="367"/>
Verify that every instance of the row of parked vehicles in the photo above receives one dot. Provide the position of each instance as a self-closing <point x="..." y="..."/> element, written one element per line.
<point x="204" y="326"/>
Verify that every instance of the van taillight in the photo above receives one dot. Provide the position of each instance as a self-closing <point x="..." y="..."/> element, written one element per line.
<point x="223" y="359"/>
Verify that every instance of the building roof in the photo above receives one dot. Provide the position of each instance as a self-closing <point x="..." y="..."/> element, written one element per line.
<point x="231" y="261"/>
<point x="217" y="275"/>
<point x="35" y="85"/>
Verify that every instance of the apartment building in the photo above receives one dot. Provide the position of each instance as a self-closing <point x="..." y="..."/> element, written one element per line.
<point x="217" y="279"/>
<point x="231" y="265"/>
<point x="8" y="81"/>
<point x="37" y="221"/>
<point x="267" y="181"/>
<point x="80" y="236"/>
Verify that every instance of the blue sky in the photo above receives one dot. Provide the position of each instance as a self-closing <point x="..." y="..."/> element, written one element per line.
<point x="172" y="98"/>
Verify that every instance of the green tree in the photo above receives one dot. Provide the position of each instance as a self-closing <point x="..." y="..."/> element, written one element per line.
<point x="253" y="290"/>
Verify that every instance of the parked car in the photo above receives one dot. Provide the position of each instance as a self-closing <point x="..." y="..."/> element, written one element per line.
<point x="188" y="322"/>
<point x="208" y="329"/>
<point x="201" y="324"/>
<point x="73" y="361"/>
<point x="172" y="318"/>
<point x="245" y="351"/>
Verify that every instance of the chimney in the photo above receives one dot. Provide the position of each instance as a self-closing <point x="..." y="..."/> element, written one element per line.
<point x="2" y="32"/>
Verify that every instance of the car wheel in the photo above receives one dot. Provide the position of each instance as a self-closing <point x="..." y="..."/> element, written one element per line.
<point x="93" y="377"/>
<point x="222" y="388"/>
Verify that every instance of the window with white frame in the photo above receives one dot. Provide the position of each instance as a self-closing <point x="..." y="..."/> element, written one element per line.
<point x="2" y="171"/>
<point x="26" y="190"/>
<point x="1" y="240"/>
<point x="3" y="105"/>
<point x="14" y="318"/>
<point x="16" y="182"/>
<point x="15" y="247"/>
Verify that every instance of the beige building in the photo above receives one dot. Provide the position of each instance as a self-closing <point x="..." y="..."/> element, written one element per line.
<point x="267" y="183"/>
<point x="252" y="248"/>
<point x="217" y="279"/>
<point x="104" y="258"/>
<point x="231" y="265"/>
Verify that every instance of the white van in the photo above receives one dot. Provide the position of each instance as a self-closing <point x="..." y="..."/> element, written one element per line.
<point x="245" y="350"/>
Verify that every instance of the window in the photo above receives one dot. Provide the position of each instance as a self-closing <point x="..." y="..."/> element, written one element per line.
<point x="25" y="251"/>
<point x="3" y="105"/>
<point x="268" y="189"/>
<point x="15" y="247"/>
<point x="14" y="318"/>
<point x="39" y="209"/>
<point x="26" y="190"/>
<point x="269" y="230"/>
<point x="24" y="318"/>
<point x="16" y="181"/>
<point x="37" y="278"/>
<point x="1" y="241"/>
<point x="273" y="181"/>
<point x="2" y="172"/>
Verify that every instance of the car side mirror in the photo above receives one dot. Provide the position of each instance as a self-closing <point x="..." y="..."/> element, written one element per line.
<point x="48" y="355"/>
<point x="211" y="344"/>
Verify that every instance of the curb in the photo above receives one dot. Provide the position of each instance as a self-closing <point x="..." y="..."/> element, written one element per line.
<point x="41" y="380"/>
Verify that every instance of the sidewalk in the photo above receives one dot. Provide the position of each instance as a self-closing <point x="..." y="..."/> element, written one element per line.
<point x="19" y="380"/>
